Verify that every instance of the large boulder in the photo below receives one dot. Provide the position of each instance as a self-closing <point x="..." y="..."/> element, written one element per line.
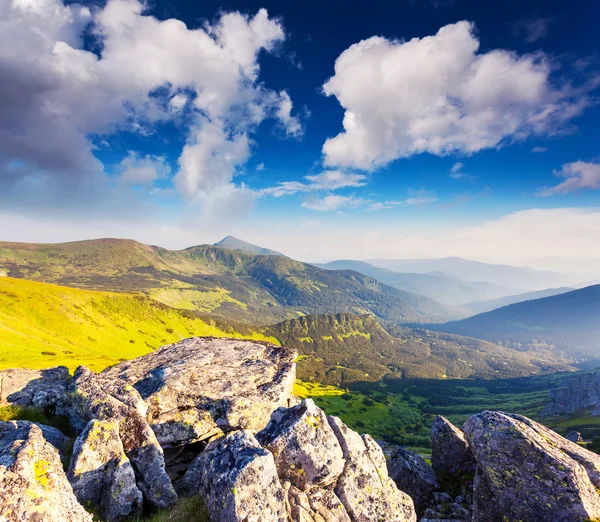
<point x="450" y="452"/>
<point x="90" y="401"/>
<point x="33" y="485"/>
<point x="237" y="479"/>
<point x="202" y="387"/>
<point x="43" y="389"/>
<point x="101" y="474"/>
<point x="414" y="476"/>
<point x="306" y="450"/>
<point x="364" y="487"/>
<point x="575" y="393"/>
<point x="527" y="472"/>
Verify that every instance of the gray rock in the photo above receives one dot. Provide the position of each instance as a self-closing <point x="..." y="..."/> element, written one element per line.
<point x="237" y="480"/>
<point x="90" y="401"/>
<point x="33" y="485"/>
<point x="101" y="474"/>
<point x="202" y="387"/>
<point x="527" y="472"/>
<point x="414" y="476"/>
<point x="575" y="393"/>
<point x="450" y="452"/>
<point x="52" y="435"/>
<point x="575" y="436"/>
<point x="44" y="389"/>
<point x="306" y="450"/>
<point x="364" y="488"/>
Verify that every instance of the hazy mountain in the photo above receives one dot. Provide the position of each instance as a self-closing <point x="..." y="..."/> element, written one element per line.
<point x="516" y="278"/>
<point x="445" y="288"/>
<point x="230" y="284"/>
<point x="233" y="243"/>
<point x="569" y="321"/>
<point x="492" y="304"/>
<point x="340" y="349"/>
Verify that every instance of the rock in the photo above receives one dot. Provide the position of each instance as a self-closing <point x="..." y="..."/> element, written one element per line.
<point x="101" y="474"/>
<point x="33" y="485"/>
<point x="575" y="393"/>
<point x="44" y="389"/>
<point x="237" y="480"/>
<point x="575" y="436"/>
<point x="450" y="452"/>
<point x="52" y="435"/>
<point x="90" y="401"/>
<point x="364" y="487"/>
<point x="413" y="476"/>
<point x="201" y="387"/>
<point x="306" y="450"/>
<point x="527" y="472"/>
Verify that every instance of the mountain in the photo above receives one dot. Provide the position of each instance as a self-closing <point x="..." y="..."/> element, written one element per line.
<point x="519" y="279"/>
<point x="492" y="304"/>
<point x="43" y="325"/>
<point x="445" y="288"/>
<point x="238" y="245"/>
<point x="253" y="288"/>
<point x="339" y="349"/>
<point x="569" y="321"/>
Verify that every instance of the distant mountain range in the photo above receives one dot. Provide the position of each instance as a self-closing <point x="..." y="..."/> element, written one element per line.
<point x="445" y="288"/>
<point x="237" y="245"/>
<point x="260" y="289"/>
<point x="486" y="306"/>
<point x="569" y="321"/>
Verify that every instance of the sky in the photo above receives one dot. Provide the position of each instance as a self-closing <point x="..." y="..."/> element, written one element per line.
<point x="325" y="130"/>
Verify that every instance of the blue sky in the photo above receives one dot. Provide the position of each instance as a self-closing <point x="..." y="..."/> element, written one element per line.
<point x="327" y="130"/>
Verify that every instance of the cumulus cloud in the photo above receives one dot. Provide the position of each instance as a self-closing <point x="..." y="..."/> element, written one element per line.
<point x="143" y="170"/>
<point x="326" y="180"/>
<point x="577" y="175"/>
<point x="58" y="96"/>
<point x="332" y="202"/>
<point x="438" y="94"/>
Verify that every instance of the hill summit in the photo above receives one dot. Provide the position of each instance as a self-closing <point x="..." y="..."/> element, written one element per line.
<point x="239" y="245"/>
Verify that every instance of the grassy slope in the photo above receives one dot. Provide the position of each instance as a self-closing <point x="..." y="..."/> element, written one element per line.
<point x="339" y="349"/>
<point x="254" y="288"/>
<point x="44" y="325"/>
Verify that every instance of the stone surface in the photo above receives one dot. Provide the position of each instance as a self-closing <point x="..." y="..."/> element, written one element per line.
<point x="364" y="487"/>
<point x="306" y="450"/>
<point x="575" y="436"/>
<point x="575" y="393"/>
<point x="237" y="480"/>
<point x="450" y="453"/>
<point x="527" y="472"/>
<point x="413" y="476"/>
<point x="43" y="389"/>
<point x="101" y="474"/>
<point x="89" y="401"/>
<point x="200" y="387"/>
<point x="33" y="485"/>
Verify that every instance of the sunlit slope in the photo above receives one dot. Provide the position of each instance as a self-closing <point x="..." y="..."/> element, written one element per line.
<point x="44" y="325"/>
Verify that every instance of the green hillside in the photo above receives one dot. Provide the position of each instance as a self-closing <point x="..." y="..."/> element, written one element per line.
<point x="238" y="245"/>
<point x="44" y="325"/>
<point x="254" y="288"/>
<point x="339" y="349"/>
<point x="569" y="323"/>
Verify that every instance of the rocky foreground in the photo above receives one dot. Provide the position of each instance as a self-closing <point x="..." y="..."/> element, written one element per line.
<point x="216" y="418"/>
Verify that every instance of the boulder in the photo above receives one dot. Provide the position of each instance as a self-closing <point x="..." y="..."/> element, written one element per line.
<point x="575" y="436"/>
<point x="575" y="393"/>
<point x="450" y="452"/>
<point x="414" y="476"/>
<point x="237" y="479"/>
<point x="306" y="450"/>
<point x="90" y="401"/>
<point x="527" y="472"/>
<point x="101" y="474"/>
<point x="202" y="387"/>
<point x="44" y="389"/>
<point x="364" y="487"/>
<point x="33" y="485"/>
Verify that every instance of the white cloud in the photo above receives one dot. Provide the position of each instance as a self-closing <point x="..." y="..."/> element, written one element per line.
<point x="420" y="197"/>
<point x="456" y="172"/>
<point x="326" y="180"/>
<point x="260" y="167"/>
<point x="439" y="95"/>
<point x="333" y="202"/>
<point x="577" y="175"/>
<point x="533" y="28"/>
<point x="538" y="150"/>
<point x="142" y="170"/>
<point x="56" y="94"/>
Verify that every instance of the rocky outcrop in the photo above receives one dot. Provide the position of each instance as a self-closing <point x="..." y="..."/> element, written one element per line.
<point x="527" y="472"/>
<point x="414" y="476"/>
<point x="43" y="389"/>
<point x="33" y="485"/>
<point x="576" y="393"/>
<point x="450" y="452"/>
<point x="101" y="474"/>
<point x="202" y="387"/>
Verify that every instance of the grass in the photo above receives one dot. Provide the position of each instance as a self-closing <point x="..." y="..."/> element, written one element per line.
<point x="189" y="299"/>
<point x="44" y="325"/>
<point x="186" y="510"/>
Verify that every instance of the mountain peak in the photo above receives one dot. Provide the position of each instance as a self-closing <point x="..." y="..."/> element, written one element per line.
<point x="233" y="243"/>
